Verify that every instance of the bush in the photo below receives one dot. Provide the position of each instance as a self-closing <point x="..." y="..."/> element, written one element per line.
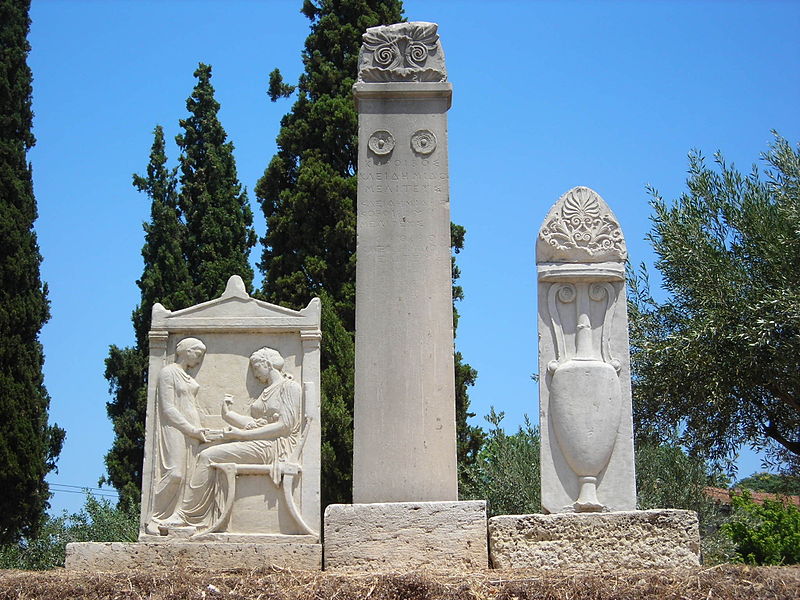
<point x="772" y="483"/>
<point x="766" y="534"/>
<point x="97" y="521"/>
<point x="506" y="470"/>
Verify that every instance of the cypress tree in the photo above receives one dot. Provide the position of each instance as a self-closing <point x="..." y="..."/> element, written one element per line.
<point x="29" y="447"/>
<point x="196" y="239"/>
<point x="165" y="279"/>
<point x="219" y="222"/>
<point x="469" y="438"/>
<point x="308" y="197"/>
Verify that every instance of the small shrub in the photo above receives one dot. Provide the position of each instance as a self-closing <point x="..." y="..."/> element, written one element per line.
<point x="766" y="534"/>
<point x="506" y="470"/>
<point x="97" y="521"/>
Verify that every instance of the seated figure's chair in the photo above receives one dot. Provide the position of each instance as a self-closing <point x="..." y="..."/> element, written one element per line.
<point x="289" y="468"/>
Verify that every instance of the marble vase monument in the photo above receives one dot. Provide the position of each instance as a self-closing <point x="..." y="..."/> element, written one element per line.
<point x="584" y="365"/>
<point x="587" y="469"/>
<point x="232" y="448"/>
<point x="404" y="446"/>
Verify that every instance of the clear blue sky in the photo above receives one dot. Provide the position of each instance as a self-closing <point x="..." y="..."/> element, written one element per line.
<point x="547" y="95"/>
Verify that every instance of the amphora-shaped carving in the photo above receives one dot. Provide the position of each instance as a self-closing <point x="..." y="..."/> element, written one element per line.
<point x="585" y="390"/>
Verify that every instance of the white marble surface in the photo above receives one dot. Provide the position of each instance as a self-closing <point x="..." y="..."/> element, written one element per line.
<point x="401" y="536"/>
<point x="233" y="381"/>
<point x="584" y="359"/>
<point x="646" y="539"/>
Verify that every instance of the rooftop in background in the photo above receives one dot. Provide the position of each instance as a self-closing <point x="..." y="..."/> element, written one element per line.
<point x="723" y="496"/>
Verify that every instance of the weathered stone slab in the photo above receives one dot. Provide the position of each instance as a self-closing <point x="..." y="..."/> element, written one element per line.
<point x="647" y="539"/>
<point x="121" y="556"/>
<point x="406" y="535"/>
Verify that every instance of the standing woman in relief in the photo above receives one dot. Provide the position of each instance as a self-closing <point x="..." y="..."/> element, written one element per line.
<point x="177" y="429"/>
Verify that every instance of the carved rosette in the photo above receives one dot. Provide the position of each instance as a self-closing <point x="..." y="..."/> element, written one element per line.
<point x="381" y="142"/>
<point x="423" y="142"/>
<point x="401" y="52"/>
<point x="581" y="228"/>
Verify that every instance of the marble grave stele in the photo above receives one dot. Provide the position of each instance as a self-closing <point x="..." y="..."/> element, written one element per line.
<point x="232" y="434"/>
<point x="584" y="386"/>
<point x="587" y="469"/>
<point x="404" y="444"/>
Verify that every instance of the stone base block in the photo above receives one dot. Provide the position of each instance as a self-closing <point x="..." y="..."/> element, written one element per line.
<point x="394" y="536"/>
<point x="643" y="539"/>
<point x="121" y="556"/>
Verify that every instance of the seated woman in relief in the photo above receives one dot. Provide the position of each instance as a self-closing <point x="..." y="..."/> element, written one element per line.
<point x="267" y="436"/>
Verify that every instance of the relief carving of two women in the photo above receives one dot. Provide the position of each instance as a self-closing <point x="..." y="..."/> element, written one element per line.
<point x="185" y="494"/>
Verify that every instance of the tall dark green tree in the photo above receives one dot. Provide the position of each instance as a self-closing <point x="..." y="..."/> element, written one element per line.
<point x="469" y="438"/>
<point x="308" y="196"/>
<point x="29" y="447"/>
<point x="199" y="234"/>
<point x="219" y="222"/>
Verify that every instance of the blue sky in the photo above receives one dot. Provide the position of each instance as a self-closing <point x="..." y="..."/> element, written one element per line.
<point x="547" y="95"/>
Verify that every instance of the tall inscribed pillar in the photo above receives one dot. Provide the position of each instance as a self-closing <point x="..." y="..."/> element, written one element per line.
<point x="404" y="446"/>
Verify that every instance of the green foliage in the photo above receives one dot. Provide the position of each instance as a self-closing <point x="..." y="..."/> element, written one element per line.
<point x="771" y="483"/>
<point x="767" y="534"/>
<point x="29" y="447"/>
<point x="505" y="471"/>
<point x="97" y="521"/>
<point x="720" y="355"/>
<point x="666" y="477"/>
<point x="338" y="353"/>
<point x="219" y="222"/>
<point x="200" y="233"/>
<point x="469" y="438"/>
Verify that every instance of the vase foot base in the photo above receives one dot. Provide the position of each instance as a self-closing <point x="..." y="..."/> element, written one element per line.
<point x="583" y="507"/>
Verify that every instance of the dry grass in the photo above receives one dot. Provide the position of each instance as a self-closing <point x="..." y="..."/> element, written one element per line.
<point x="721" y="582"/>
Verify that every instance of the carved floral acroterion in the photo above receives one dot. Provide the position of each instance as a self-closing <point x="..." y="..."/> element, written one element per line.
<point x="582" y="225"/>
<point x="402" y="52"/>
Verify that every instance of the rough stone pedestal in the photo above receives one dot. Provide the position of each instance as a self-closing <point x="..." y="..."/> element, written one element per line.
<point x="394" y="536"/>
<point x="647" y="539"/>
<point x="121" y="556"/>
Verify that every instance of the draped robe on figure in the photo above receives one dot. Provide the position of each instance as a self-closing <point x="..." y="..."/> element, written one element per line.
<point x="280" y="401"/>
<point x="177" y="420"/>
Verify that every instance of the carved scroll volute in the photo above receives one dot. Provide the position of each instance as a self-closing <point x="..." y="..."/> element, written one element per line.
<point x="580" y="254"/>
<point x="401" y="52"/>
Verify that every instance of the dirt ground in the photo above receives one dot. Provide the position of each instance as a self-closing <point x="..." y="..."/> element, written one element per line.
<point x="720" y="582"/>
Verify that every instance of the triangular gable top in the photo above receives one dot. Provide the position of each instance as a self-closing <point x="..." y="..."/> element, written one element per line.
<point x="235" y="309"/>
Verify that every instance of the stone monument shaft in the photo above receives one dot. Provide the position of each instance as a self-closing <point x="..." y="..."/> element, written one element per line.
<point x="404" y="442"/>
